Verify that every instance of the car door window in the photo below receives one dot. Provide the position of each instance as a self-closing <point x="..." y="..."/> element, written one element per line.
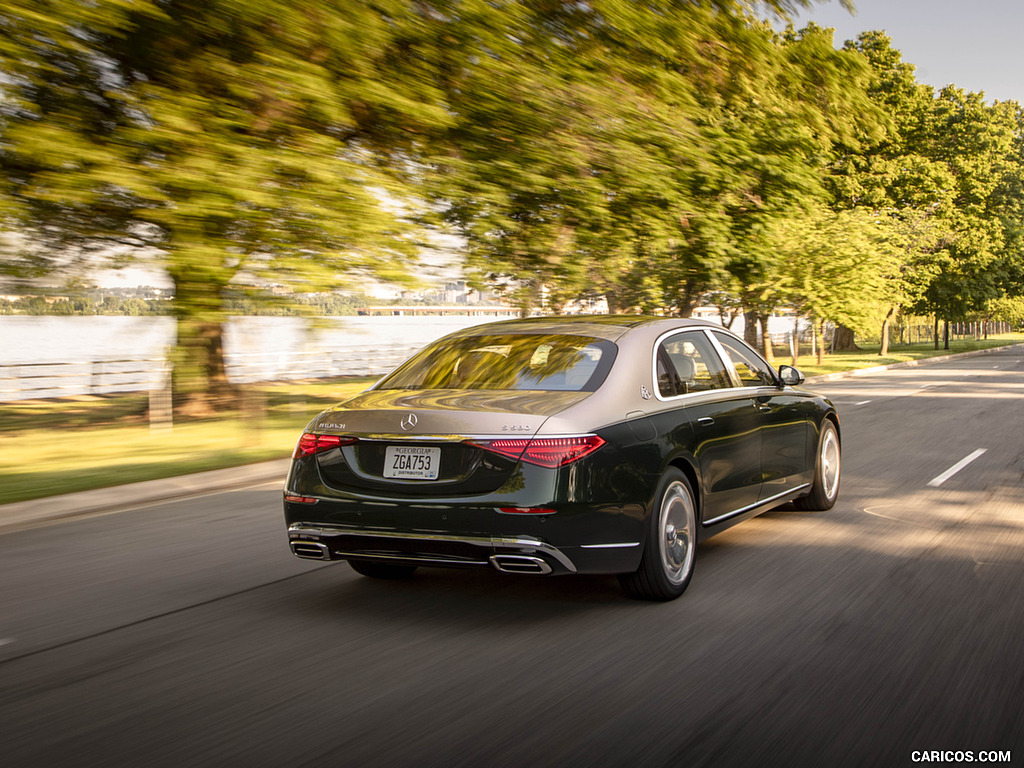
<point x="666" y="380"/>
<point x="750" y="367"/>
<point x="689" y="364"/>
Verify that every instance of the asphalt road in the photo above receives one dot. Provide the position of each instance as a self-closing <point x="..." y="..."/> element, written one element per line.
<point x="185" y="634"/>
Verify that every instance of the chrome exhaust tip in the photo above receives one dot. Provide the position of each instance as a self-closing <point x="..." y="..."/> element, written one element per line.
<point x="310" y="550"/>
<point x="520" y="564"/>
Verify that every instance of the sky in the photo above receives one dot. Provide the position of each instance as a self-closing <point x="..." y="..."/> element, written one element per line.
<point x="975" y="44"/>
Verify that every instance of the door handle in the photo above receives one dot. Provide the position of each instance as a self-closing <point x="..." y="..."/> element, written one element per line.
<point x="705" y="421"/>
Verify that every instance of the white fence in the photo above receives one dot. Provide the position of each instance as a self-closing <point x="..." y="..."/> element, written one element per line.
<point x="27" y="381"/>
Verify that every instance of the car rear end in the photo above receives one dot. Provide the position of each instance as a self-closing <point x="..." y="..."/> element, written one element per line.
<point x="447" y="462"/>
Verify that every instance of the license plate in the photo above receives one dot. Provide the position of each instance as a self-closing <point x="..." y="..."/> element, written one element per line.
<point x="411" y="462"/>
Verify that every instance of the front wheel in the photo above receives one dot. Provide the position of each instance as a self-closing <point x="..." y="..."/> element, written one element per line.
<point x="667" y="563"/>
<point x="825" y="489"/>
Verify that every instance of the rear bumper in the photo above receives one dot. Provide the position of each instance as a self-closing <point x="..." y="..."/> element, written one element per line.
<point x="518" y="554"/>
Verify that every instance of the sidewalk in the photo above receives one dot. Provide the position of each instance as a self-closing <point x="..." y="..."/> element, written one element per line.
<point x="31" y="514"/>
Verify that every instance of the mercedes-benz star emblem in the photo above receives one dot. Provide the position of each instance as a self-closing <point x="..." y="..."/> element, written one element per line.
<point x="408" y="422"/>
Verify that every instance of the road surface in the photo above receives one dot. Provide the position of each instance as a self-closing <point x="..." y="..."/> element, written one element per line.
<point x="185" y="634"/>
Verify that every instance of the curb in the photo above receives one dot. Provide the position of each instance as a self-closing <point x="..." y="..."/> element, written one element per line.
<point x="36" y="512"/>
<point x="119" y="498"/>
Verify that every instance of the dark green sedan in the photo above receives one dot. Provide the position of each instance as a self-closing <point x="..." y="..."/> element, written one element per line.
<point x="596" y="444"/>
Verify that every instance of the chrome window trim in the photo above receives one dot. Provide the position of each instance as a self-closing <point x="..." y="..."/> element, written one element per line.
<point x="730" y="368"/>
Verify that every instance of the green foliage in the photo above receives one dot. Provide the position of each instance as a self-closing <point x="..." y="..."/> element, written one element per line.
<point x="657" y="152"/>
<point x="833" y="266"/>
<point x="948" y="175"/>
<point x="637" y="149"/>
<point x="231" y="143"/>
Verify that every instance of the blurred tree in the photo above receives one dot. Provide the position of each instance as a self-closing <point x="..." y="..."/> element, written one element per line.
<point x="833" y="267"/>
<point x="948" y="178"/>
<point x="235" y="144"/>
<point x="635" y="149"/>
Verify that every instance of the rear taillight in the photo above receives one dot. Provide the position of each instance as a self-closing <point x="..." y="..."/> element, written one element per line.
<point x="310" y="443"/>
<point x="543" y="451"/>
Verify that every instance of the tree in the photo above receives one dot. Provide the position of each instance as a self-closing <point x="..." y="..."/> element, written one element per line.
<point x="233" y="144"/>
<point x="947" y="179"/>
<point x="634" y="148"/>
<point x="979" y="144"/>
<point x="833" y="267"/>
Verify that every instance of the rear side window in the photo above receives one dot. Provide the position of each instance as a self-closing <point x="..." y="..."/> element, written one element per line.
<point x="750" y="367"/>
<point x="544" y="362"/>
<point x="687" y="363"/>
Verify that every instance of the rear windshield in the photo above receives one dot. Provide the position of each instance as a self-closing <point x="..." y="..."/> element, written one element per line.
<point x="533" y="362"/>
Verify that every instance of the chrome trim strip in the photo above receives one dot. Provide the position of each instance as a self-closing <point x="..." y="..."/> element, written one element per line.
<point x="762" y="503"/>
<point x="296" y="530"/>
<point x="455" y="439"/>
<point x="411" y="558"/>
<point x="623" y="545"/>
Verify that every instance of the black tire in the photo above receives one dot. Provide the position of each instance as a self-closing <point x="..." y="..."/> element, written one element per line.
<point x="377" y="570"/>
<point x="825" y="489"/>
<point x="666" y="566"/>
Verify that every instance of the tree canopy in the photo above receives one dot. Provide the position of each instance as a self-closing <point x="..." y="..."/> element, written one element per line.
<point x="660" y="153"/>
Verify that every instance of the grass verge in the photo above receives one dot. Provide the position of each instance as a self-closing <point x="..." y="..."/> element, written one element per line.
<point x="53" y="447"/>
<point x="868" y="356"/>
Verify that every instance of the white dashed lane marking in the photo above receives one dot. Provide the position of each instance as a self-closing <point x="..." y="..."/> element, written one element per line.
<point x="955" y="468"/>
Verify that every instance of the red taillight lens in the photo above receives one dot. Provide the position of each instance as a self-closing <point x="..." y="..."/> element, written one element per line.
<point x="544" y="451"/>
<point x="527" y="510"/>
<point x="310" y="443"/>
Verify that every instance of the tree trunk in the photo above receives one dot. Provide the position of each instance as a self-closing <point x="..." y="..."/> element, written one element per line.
<point x="795" y="344"/>
<point x="769" y="351"/>
<point x="199" y="378"/>
<point x="885" y="333"/>
<point x="687" y="300"/>
<point x="819" y="334"/>
<point x="201" y="386"/>
<point x="750" y="317"/>
<point x="843" y="340"/>
<point x="945" y="334"/>
<point x="936" y="333"/>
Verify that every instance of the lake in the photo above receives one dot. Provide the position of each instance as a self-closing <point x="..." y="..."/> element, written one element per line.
<point x="49" y="356"/>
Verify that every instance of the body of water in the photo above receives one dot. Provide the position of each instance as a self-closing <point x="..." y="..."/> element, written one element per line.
<point x="51" y="356"/>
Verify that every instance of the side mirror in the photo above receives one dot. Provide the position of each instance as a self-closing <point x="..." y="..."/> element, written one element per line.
<point x="790" y="376"/>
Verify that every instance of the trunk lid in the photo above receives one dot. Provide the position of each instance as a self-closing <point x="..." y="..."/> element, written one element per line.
<point x="414" y="443"/>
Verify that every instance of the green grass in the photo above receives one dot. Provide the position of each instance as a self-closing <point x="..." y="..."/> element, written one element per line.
<point x="53" y="447"/>
<point x="868" y="357"/>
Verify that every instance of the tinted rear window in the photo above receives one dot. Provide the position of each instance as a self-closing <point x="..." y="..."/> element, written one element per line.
<point x="545" y="362"/>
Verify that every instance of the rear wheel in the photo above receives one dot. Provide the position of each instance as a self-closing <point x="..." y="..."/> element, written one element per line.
<point x="825" y="489"/>
<point x="376" y="570"/>
<point x="667" y="563"/>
